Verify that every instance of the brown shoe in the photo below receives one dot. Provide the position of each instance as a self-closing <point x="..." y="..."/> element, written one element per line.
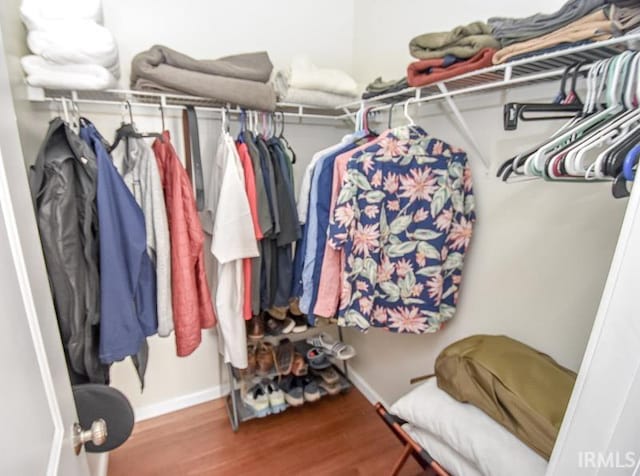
<point x="265" y="357"/>
<point x="299" y="366"/>
<point x="251" y="359"/>
<point x="256" y="328"/>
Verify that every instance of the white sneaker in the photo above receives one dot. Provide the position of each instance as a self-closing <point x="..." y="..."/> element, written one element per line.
<point x="257" y="400"/>
<point x="275" y="396"/>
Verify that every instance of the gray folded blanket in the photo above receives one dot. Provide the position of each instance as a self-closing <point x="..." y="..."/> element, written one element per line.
<point x="514" y="30"/>
<point x="239" y="79"/>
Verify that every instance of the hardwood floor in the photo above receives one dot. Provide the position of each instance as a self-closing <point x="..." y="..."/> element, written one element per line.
<point x="339" y="435"/>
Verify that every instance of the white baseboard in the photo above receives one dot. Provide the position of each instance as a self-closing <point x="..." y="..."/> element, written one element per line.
<point x="365" y="389"/>
<point x="218" y="391"/>
<point x="178" y="403"/>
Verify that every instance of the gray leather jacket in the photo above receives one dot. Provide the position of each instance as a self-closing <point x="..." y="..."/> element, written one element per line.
<point x="63" y="187"/>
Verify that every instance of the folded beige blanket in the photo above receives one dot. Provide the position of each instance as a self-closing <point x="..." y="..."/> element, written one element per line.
<point x="239" y="79"/>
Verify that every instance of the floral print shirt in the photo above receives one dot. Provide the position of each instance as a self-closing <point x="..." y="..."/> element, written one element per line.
<point x="404" y="219"/>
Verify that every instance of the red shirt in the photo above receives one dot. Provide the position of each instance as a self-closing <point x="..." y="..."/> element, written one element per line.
<point x="250" y="188"/>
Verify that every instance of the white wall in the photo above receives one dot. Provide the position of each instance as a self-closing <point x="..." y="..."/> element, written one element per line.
<point x="382" y="29"/>
<point x="540" y="252"/>
<point x="207" y="30"/>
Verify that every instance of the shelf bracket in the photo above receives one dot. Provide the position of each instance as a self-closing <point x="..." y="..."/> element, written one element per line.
<point x="463" y="124"/>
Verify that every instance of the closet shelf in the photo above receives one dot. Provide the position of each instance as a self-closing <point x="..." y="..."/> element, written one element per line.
<point x="168" y="101"/>
<point x="522" y="72"/>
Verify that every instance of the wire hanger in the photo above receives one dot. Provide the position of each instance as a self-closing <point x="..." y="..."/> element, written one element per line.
<point x="406" y="113"/>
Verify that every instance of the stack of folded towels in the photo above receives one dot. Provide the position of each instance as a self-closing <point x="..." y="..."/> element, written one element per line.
<point x="71" y="49"/>
<point x="446" y="54"/>
<point x="241" y="79"/>
<point x="304" y="83"/>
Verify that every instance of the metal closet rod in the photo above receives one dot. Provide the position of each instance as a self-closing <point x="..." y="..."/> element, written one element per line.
<point x="234" y="111"/>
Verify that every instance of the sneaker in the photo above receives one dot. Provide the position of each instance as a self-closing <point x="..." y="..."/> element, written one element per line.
<point x="288" y="325"/>
<point x="273" y="327"/>
<point x="300" y="324"/>
<point x="275" y="395"/>
<point x="257" y="400"/>
<point x="293" y="391"/>
<point x="310" y="388"/>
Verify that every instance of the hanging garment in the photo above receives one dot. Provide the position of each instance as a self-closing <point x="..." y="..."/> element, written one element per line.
<point x="289" y="224"/>
<point x="250" y="189"/>
<point x="268" y="246"/>
<point x="136" y="162"/>
<point x="264" y="217"/>
<point x="227" y="218"/>
<point x="404" y="218"/>
<point x="318" y="221"/>
<point x="192" y="308"/>
<point x="63" y="185"/>
<point x="127" y="278"/>
<point x="329" y="285"/>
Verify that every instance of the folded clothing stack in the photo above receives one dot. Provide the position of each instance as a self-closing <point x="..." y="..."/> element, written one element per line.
<point x="515" y="30"/>
<point x="598" y="25"/>
<point x="239" y="79"/>
<point x="379" y="87"/>
<point x="462" y="42"/>
<point x="305" y="83"/>
<point x="71" y="49"/>
<point x="429" y="71"/>
<point x="446" y="54"/>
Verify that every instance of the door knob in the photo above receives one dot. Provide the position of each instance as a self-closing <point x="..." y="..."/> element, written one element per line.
<point x="97" y="434"/>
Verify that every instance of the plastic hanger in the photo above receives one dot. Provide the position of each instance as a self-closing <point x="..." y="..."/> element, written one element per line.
<point x="535" y="163"/>
<point x="126" y="131"/>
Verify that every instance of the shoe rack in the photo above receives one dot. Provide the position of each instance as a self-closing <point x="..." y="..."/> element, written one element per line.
<point x="239" y="413"/>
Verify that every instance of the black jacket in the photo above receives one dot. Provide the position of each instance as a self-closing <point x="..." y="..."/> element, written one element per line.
<point x="63" y="187"/>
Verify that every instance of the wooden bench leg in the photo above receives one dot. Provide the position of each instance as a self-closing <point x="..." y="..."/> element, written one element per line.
<point x="406" y="452"/>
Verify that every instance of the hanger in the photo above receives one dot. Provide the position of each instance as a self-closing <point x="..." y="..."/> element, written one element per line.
<point x="514" y="111"/>
<point x="534" y="165"/>
<point x="282" y="138"/>
<point x="406" y="113"/>
<point x="128" y="131"/>
<point x="162" y="114"/>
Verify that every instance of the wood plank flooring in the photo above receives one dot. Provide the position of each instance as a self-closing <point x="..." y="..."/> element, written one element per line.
<point x="339" y="435"/>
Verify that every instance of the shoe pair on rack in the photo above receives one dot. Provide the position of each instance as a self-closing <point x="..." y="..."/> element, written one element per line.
<point x="265" y="398"/>
<point x="261" y="358"/>
<point x="275" y="324"/>
<point x="298" y="390"/>
<point x="331" y="346"/>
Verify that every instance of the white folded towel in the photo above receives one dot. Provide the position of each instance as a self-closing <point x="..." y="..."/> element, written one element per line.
<point x="40" y="14"/>
<point x="45" y="74"/>
<point x="305" y="75"/>
<point x="308" y="97"/>
<point x="76" y="42"/>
